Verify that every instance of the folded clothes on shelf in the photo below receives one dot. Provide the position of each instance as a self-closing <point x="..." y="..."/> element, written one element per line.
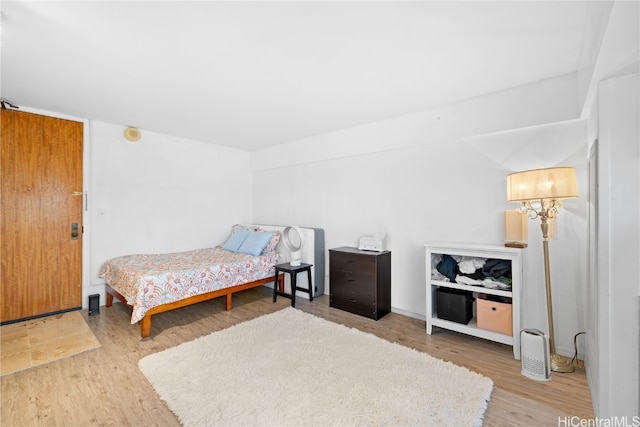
<point x="504" y="284"/>
<point x="487" y="272"/>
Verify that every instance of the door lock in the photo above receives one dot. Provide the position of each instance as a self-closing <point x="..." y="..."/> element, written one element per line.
<point x="74" y="231"/>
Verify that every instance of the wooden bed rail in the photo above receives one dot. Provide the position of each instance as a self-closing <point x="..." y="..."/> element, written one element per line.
<point x="145" y="322"/>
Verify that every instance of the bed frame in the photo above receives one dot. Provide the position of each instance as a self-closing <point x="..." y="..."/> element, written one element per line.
<point x="145" y="323"/>
<point x="312" y="253"/>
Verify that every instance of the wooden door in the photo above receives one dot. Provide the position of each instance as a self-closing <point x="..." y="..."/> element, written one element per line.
<point x="41" y="197"/>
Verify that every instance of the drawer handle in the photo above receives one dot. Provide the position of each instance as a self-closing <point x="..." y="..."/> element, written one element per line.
<point x="352" y="300"/>
<point x="351" y="280"/>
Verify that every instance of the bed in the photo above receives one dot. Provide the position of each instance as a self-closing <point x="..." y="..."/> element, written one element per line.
<point x="156" y="283"/>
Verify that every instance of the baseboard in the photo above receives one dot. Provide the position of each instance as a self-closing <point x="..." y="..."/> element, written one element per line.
<point x="408" y="313"/>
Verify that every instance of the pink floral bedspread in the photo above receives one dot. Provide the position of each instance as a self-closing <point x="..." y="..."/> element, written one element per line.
<point x="147" y="281"/>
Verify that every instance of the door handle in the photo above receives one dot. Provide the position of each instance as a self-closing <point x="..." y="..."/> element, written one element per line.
<point x="74" y="231"/>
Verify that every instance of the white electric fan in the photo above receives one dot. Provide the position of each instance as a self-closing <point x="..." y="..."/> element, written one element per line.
<point x="293" y="244"/>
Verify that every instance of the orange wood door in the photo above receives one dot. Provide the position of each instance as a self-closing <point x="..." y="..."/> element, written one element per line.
<point x="41" y="169"/>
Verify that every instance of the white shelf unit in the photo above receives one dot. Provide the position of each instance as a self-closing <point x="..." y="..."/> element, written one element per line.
<point x="514" y="255"/>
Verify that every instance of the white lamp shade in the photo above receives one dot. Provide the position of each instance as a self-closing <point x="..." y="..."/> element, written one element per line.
<point x="538" y="184"/>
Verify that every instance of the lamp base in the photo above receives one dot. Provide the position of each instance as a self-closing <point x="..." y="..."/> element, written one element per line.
<point x="561" y="364"/>
<point x="515" y="245"/>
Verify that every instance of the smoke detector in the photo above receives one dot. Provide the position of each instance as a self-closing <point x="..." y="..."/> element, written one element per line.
<point x="132" y="134"/>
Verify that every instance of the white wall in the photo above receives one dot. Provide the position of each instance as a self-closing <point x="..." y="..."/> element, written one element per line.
<point x="159" y="194"/>
<point x="598" y="14"/>
<point x="420" y="188"/>
<point x="609" y="49"/>
<point x="614" y="353"/>
<point x="515" y="108"/>
<point x="612" y="49"/>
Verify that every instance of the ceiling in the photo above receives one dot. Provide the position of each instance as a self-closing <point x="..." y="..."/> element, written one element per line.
<point x="254" y="74"/>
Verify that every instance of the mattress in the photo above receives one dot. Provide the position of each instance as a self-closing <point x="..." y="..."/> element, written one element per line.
<point x="147" y="281"/>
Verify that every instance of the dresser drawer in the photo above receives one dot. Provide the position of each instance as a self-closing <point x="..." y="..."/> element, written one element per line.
<point x="352" y="282"/>
<point x="354" y="302"/>
<point x="348" y="293"/>
<point x="352" y="263"/>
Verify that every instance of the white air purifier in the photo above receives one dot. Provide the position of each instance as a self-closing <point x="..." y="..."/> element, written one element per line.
<point x="534" y="355"/>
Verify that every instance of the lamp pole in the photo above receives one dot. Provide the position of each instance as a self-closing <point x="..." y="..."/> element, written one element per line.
<point x="548" y="209"/>
<point x="544" y="225"/>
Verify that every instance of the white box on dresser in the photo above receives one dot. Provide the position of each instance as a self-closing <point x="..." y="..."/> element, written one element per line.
<point x="514" y="255"/>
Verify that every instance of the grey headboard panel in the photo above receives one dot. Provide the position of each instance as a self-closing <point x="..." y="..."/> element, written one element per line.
<point x="312" y="253"/>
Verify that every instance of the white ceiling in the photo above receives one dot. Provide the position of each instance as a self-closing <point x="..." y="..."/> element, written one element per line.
<point x="254" y="74"/>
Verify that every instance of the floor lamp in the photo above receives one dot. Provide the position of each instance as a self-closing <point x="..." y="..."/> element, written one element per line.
<point x="539" y="193"/>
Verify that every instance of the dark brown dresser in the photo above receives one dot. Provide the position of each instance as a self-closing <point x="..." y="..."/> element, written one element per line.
<point x="360" y="281"/>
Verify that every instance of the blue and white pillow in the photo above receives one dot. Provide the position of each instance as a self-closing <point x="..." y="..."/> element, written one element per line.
<point x="236" y="239"/>
<point x="255" y="243"/>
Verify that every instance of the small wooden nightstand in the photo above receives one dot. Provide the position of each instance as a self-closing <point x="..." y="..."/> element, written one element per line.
<point x="293" y="272"/>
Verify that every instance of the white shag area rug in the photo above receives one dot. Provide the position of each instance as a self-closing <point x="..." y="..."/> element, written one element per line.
<point x="293" y="368"/>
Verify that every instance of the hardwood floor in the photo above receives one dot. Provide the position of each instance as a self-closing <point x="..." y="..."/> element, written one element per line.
<point x="104" y="386"/>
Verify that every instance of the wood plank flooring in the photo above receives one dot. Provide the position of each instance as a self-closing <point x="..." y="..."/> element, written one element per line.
<point x="104" y="386"/>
